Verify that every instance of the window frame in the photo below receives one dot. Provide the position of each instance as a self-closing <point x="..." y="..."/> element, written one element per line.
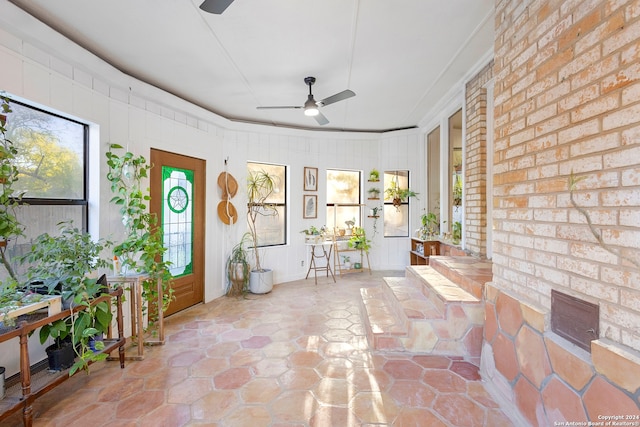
<point x="388" y="202"/>
<point x="84" y="201"/>
<point x="359" y="204"/>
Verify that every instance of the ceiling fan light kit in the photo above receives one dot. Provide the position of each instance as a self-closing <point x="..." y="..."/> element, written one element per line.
<point x="311" y="107"/>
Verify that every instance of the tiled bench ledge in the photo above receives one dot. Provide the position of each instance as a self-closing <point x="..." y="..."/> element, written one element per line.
<point x="439" y="289"/>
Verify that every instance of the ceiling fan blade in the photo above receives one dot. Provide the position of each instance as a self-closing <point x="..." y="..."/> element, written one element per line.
<point x="283" y="107"/>
<point x="345" y="94"/>
<point x="321" y="119"/>
<point x="215" y="6"/>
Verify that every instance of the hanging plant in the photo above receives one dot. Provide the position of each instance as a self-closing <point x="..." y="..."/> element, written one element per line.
<point x="398" y="195"/>
<point x="142" y="249"/>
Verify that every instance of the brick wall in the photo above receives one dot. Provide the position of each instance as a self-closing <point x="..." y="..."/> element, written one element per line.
<point x="567" y="101"/>
<point x="475" y="179"/>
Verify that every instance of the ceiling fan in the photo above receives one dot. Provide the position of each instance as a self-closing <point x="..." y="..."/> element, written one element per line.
<point x="215" y="6"/>
<point x="311" y="106"/>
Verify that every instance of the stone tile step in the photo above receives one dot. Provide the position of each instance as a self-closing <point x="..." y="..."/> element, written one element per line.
<point x="468" y="272"/>
<point x="381" y="315"/>
<point x="438" y="289"/>
<point x="411" y="300"/>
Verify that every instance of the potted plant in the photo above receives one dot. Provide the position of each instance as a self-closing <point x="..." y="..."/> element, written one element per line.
<point x="260" y="185"/>
<point x="456" y="232"/>
<point x="374" y="175"/>
<point x="457" y="191"/>
<point x="359" y="240"/>
<point x="142" y="249"/>
<point x="430" y="226"/>
<point x="63" y="264"/>
<point x="350" y="224"/>
<point x="374" y="193"/>
<point x="346" y="261"/>
<point x="398" y="195"/>
<point x="238" y="268"/>
<point x="312" y="234"/>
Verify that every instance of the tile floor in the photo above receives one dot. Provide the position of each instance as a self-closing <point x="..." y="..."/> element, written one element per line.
<point x="297" y="356"/>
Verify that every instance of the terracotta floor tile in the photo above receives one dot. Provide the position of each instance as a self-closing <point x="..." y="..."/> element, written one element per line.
<point x="297" y="356"/>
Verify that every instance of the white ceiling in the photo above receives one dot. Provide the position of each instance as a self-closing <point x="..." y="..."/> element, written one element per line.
<point x="400" y="57"/>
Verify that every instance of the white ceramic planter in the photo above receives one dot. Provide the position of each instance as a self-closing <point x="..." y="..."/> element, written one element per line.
<point x="261" y="282"/>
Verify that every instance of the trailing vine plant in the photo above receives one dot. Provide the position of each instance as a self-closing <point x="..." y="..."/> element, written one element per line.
<point x="142" y="249"/>
<point x="10" y="227"/>
<point x="573" y="181"/>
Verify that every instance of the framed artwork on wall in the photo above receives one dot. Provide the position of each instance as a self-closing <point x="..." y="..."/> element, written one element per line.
<point x="310" y="179"/>
<point x="310" y="206"/>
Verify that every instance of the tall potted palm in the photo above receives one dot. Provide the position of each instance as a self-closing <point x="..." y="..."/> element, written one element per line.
<point x="260" y="185"/>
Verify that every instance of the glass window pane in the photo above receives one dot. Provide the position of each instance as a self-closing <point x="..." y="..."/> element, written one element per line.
<point x="343" y="187"/>
<point x="278" y="172"/>
<point x="342" y="214"/>
<point x="39" y="219"/>
<point x="272" y="228"/>
<point x="343" y="198"/>
<point x="177" y="217"/>
<point x="51" y="153"/>
<point x="396" y="220"/>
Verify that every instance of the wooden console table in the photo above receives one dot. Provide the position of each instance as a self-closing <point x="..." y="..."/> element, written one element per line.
<point x="31" y="390"/>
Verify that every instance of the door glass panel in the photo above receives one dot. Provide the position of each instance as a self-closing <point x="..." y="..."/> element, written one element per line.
<point x="177" y="219"/>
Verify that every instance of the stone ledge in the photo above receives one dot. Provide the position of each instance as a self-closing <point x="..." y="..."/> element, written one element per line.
<point x="621" y="366"/>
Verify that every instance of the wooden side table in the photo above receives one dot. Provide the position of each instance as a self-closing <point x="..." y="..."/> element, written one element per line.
<point x="137" y="319"/>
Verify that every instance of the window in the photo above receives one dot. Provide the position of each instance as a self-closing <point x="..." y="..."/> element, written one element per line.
<point x="271" y="229"/>
<point x="396" y="216"/>
<point x="343" y="198"/>
<point x="53" y="170"/>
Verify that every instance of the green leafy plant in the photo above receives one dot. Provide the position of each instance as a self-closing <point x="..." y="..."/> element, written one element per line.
<point x="142" y="249"/>
<point x="260" y="185"/>
<point x="456" y="232"/>
<point x="238" y="268"/>
<point x="62" y="263"/>
<point x="358" y="240"/>
<point x="457" y="191"/>
<point x="10" y="227"/>
<point x="311" y="231"/>
<point x="374" y="192"/>
<point x="374" y="175"/>
<point x="398" y="195"/>
<point x="430" y="225"/>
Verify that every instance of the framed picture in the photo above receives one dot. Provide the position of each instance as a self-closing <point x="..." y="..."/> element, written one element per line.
<point x="310" y="179"/>
<point x="310" y="208"/>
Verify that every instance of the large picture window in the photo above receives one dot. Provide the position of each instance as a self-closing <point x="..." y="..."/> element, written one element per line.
<point x="53" y="170"/>
<point x="343" y="198"/>
<point x="272" y="228"/>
